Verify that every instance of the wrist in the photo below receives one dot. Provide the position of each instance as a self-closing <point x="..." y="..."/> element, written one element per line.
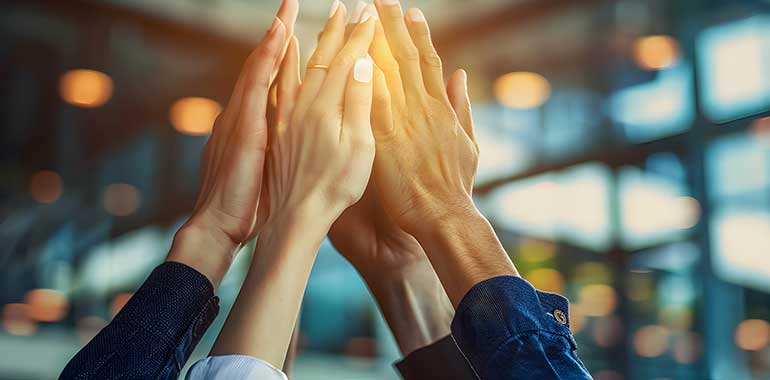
<point x="204" y="249"/>
<point x="414" y="305"/>
<point x="315" y="216"/>
<point x="436" y="211"/>
<point x="464" y="249"/>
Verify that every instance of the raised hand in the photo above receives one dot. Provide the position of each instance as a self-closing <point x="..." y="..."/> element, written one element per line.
<point x="319" y="160"/>
<point x="233" y="160"/>
<point x="391" y="261"/>
<point x="427" y="155"/>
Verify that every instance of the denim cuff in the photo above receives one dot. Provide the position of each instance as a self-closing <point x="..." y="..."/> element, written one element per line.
<point x="504" y="307"/>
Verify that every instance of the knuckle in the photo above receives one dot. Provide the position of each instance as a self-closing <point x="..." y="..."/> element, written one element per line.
<point x="432" y="59"/>
<point x="408" y="54"/>
<point x="345" y="59"/>
<point x="318" y="58"/>
<point x="255" y="80"/>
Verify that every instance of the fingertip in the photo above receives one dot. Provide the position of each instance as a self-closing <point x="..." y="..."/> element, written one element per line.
<point x="363" y="71"/>
<point x="415" y="15"/>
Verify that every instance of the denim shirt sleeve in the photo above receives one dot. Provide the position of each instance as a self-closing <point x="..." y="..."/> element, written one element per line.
<point x="508" y="330"/>
<point x="441" y="360"/>
<point x="156" y="331"/>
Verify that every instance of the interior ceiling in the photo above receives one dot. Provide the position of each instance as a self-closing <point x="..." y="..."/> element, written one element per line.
<point x="244" y="18"/>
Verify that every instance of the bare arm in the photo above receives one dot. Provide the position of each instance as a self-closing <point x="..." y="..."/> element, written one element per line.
<point x="319" y="161"/>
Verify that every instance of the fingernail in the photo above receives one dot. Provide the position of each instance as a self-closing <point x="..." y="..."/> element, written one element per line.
<point x="389" y="2"/>
<point x="365" y="16"/>
<point x="276" y="24"/>
<point x="356" y="15"/>
<point x="372" y="10"/>
<point x="416" y="15"/>
<point x="335" y="6"/>
<point x="364" y="70"/>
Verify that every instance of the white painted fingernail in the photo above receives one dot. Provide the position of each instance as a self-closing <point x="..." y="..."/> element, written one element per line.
<point x="416" y="15"/>
<point x="335" y="6"/>
<point x="364" y="70"/>
<point x="372" y="11"/>
<point x="390" y="2"/>
<point x="356" y="15"/>
<point x="364" y="17"/>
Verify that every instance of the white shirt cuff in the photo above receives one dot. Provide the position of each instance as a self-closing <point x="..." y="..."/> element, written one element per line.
<point x="234" y="367"/>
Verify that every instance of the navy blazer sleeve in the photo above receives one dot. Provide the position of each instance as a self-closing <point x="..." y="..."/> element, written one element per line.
<point x="156" y="331"/>
<point x="507" y="330"/>
<point x="441" y="360"/>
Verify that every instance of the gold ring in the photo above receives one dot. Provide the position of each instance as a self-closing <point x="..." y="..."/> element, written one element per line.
<point x="322" y="67"/>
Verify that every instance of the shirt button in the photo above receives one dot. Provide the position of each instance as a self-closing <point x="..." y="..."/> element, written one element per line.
<point x="560" y="316"/>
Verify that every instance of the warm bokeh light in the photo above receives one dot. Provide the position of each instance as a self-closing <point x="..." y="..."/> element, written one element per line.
<point x="760" y="128"/>
<point x="85" y="88"/>
<point x="593" y="272"/>
<point x="607" y="331"/>
<point x="752" y="335"/>
<point x="15" y="320"/>
<point x="121" y="199"/>
<point x="45" y="186"/>
<point x="689" y="211"/>
<point x="522" y="90"/>
<point x="46" y="305"/>
<point x="194" y="116"/>
<point x="118" y="302"/>
<point x="640" y="286"/>
<point x="547" y="280"/>
<point x="88" y="327"/>
<point x="598" y="300"/>
<point x="676" y="317"/>
<point x="656" y="52"/>
<point x="651" y="341"/>
<point x="536" y="251"/>
<point x="577" y="318"/>
<point x="688" y="348"/>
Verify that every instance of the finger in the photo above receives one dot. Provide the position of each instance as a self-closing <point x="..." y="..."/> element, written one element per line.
<point x="355" y="17"/>
<point x="288" y="84"/>
<point x="383" y="58"/>
<point x="382" y="111"/>
<point x="256" y="89"/>
<point x="457" y="91"/>
<point x="333" y="91"/>
<point x="430" y="62"/>
<point x="223" y="127"/>
<point x="356" y="121"/>
<point x="403" y="48"/>
<point x="329" y="45"/>
<point x="287" y="13"/>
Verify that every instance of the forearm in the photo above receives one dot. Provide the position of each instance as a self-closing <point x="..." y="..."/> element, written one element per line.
<point x="265" y="312"/>
<point x="414" y="305"/>
<point x="463" y="248"/>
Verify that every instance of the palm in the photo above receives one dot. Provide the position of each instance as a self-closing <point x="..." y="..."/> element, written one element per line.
<point x="366" y="236"/>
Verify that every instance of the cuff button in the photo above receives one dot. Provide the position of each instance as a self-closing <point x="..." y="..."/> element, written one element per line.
<point x="560" y="316"/>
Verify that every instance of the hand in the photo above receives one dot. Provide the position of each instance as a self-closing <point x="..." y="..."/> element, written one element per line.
<point x="377" y="247"/>
<point x="426" y="151"/>
<point x="321" y="147"/>
<point x="319" y="161"/>
<point x="427" y="155"/>
<point x="232" y="162"/>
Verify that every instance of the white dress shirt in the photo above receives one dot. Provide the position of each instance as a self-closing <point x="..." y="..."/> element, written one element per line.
<point x="235" y="367"/>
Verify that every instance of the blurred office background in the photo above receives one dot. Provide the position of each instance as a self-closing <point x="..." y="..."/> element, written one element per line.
<point x="625" y="164"/>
